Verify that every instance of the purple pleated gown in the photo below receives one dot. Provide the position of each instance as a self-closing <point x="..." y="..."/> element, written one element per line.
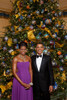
<point x="18" y="91"/>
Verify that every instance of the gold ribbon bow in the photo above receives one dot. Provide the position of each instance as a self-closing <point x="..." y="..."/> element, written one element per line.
<point x="35" y="0"/>
<point x="47" y="30"/>
<point x="59" y="45"/>
<point x="4" y="88"/>
<point x="31" y="35"/>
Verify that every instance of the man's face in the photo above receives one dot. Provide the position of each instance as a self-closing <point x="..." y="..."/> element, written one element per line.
<point x="39" y="48"/>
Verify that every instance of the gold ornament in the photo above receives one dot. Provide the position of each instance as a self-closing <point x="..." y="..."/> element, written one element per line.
<point x="46" y="36"/>
<point x="8" y="96"/>
<point x="63" y="77"/>
<point x="9" y="42"/>
<point x="56" y="30"/>
<point x="45" y="9"/>
<point x="51" y="7"/>
<point x="25" y="15"/>
<point x="56" y="75"/>
<point x="4" y="73"/>
<point x="57" y="22"/>
<point x="16" y="15"/>
<point x="41" y="23"/>
<point x="53" y="18"/>
<point x="13" y="53"/>
<point x="31" y="35"/>
<point x="15" y="27"/>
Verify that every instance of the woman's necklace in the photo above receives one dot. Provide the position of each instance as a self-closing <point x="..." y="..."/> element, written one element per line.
<point x="23" y="58"/>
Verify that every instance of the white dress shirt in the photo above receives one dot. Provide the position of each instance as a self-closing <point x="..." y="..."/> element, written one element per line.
<point x="38" y="62"/>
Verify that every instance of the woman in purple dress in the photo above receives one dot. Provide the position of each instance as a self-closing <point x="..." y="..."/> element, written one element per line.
<point x="22" y="71"/>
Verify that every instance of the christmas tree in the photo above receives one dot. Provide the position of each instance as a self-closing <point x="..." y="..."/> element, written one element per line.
<point x="33" y="21"/>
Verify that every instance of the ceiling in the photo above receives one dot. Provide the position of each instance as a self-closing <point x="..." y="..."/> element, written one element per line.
<point x="6" y="5"/>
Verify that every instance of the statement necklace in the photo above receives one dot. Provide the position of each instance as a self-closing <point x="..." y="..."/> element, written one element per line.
<point x="23" y="58"/>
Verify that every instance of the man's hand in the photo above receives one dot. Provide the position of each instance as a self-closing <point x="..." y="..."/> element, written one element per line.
<point x="50" y="88"/>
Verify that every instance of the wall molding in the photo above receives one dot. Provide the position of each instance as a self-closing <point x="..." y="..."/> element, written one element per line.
<point x="64" y="13"/>
<point x="4" y="14"/>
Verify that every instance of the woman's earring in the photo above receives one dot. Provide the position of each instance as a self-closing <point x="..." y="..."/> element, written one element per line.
<point x="19" y="50"/>
<point x="26" y="50"/>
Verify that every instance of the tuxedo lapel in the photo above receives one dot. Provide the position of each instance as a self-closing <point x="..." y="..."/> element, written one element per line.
<point x="35" y="63"/>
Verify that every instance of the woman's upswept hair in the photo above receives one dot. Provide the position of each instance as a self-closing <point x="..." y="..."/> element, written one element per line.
<point x="22" y="43"/>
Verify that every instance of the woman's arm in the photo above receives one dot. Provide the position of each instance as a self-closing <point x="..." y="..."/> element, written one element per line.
<point x="30" y="70"/>
<point x="14" y="67"/>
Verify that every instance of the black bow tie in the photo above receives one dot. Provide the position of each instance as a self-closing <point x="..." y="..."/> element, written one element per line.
<point x="39" y="56"/>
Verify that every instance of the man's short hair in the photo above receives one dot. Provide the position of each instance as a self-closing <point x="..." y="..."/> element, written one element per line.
<point x="39" y="43"/>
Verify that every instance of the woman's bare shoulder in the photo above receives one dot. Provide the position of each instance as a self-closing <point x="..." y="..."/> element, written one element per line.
<point x="15" y="58"/>
<point x="28" y="57"/>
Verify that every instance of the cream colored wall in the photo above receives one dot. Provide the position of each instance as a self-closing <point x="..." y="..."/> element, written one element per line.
<point x="65" y="19"/>
<point x="5" y="5"/>
<point x="63" y="4"/>
<point x="3" y="22"/>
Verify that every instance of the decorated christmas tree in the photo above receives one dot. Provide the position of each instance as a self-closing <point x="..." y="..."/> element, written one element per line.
<point x="33" y="21"/>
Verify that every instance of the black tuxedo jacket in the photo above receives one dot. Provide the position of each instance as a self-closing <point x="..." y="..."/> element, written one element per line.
<point x="44" y="78"/>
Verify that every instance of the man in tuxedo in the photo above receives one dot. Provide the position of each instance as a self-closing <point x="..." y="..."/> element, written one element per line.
<point x="43" y="79"/>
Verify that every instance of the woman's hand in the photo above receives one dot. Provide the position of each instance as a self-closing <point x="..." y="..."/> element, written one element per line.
<point x="27" y="86"/>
